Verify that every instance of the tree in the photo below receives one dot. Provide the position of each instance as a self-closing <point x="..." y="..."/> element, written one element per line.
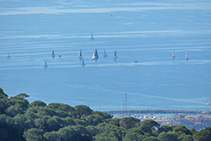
<point x="134" y="134"/>
<point x="81" y="111"/>
<point x="38" y="103"/>
<point x="2" y="94"/>
<point x="20" y="102"/>
<point x="165" y="128"/>
<point x="13" y="111"/>
<point x="3" y="134"/>
<point x="23" y="95"/>
<point x="167" y="136"/>
<point x="182" y="129"/>
<point x="203" y="135"/>
<point x="94" y="119"/>
<point x="148" y="125"/>
<point x="61" y="107"/>
<point x="19" y="124"/>
<point x="68" y="121"/>
<point x="92" y="130"/>
<point x="51" y="136"/>
<point x="3" y="104"/>
<point x="41" y="123"/>
<point x="129" y="122"/>
<point x="80" y="122"/>
<point x="75" y="133"/>
<point x="151" y="138"/>
<point x="114" y="121"/>
<point x="54" y="123"/>
<point x="184" y="137"/>
<point x="33" y="134"/>
<point x="109" y="132"/>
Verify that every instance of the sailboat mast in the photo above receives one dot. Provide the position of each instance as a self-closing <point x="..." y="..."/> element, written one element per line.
<point x="92" y="37"/>
<point x="186" y="56"/>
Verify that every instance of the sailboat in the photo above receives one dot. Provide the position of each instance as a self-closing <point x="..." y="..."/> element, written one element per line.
<point x="208" y="101"/>
<point x="60" y="54"/>
<point x="104" y="54"/>
<point x="115" y="55"/>
<point x="45" y="64"/>
<point x="80" y="55"/>
<point x="173" y="55"/>
<point x="95" y="55"/>
<point x="53" y="54"/>
<point x="186" y="56"/>
<point x="83" y="63"/>
<point x="8" y="56"/>
<point x="92" y="37"/>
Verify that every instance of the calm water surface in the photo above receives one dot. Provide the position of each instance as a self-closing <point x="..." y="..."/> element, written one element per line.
<point x="146" y="32"/>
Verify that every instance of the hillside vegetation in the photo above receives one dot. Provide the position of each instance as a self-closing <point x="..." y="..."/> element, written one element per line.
<point x="21" y="120"/>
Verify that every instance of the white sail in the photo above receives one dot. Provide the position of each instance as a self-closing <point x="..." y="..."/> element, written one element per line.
<point x="95" y="55"/>
<point x="208" y="101"/>
<point x="105" y="54"/>
<point x="186" y="56"/>
<point x="173" y="55"/>
<point x="115" y="55"/>
<point x="45" y="64"/>
<point x="60" y="54"/>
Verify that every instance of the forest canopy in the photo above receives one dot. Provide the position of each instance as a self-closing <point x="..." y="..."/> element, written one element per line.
<point x="21" y="120"/>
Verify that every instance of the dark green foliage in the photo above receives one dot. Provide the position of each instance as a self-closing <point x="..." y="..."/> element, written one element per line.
<point x="151" y="139"/>
<point x="33" y="134"/>
<point x="23" y="95"/>
<point x="38" y="103"/>
<point x="97" y="117"/>
<point x="16" y="105"/>
<point x="182" y="129"/>
<point x="134" y="134"/>
<point x="2" y="94"/>
<point x="203" y="135"/>
<point x="165" y="128"/>
<point x="167" y="136"/>
<point x="3" y="133"/>
<point x="19" y="101"/>
<point x="51" y="136"/>
<point x="109" y="132"/>
<point x="114" y="121"/>
<point x="74" y="133"/>
<point x="20" y="121"/>
<point x="148" y="125"/>
<point x="14" y="110"/>
<point x="61" y="107"/>
<point x="92" y="130"/>
<point x="3" y="101"/>
<point x="81" y="111"/>
<point x="129" y="122"/>
<point x="184" y="137"/>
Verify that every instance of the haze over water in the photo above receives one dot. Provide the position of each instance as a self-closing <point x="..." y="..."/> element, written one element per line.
<point x="144" y="31"/>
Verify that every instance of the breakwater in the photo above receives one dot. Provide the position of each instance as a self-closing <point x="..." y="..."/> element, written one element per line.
<point x="131" y="112"/>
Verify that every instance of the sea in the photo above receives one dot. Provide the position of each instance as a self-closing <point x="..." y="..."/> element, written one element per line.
<point x="144" y="33"/>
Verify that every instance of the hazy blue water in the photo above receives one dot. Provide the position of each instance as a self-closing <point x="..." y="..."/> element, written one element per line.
<point x="145" y="31"/>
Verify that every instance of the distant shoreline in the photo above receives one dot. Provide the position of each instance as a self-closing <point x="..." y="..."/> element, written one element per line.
<point x="158" y="112"/>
